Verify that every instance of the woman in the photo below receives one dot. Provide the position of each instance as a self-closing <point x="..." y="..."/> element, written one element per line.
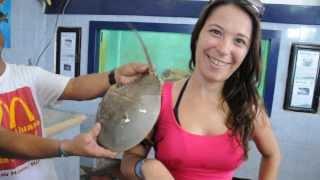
<point x="206" y="121"/>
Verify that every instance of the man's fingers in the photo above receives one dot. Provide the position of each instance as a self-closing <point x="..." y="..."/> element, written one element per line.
<point x="128" y="80"/>
<point x="137" y="68"/>
<point x="95" y="130"/>
<point x="141" y="68"/>
<point x="131" y="72"/>
<point x="106" y="153"/>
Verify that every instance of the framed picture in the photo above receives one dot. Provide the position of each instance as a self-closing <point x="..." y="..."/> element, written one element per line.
<point x="303" y="84"/>
<point x="68" y="51"/>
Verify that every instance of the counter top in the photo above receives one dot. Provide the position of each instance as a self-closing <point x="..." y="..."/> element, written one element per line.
<point x="56" y="121"/>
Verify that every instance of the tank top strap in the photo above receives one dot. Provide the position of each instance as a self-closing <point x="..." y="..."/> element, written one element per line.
<point x="176" y="107"/>
<point x="166" y="95"/>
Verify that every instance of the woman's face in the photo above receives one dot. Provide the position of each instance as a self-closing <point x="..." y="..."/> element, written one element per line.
<point x="223" y="43"/>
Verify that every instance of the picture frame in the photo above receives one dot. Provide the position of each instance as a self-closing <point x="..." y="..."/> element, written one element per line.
<point x="68" y="50"/>
<point x="303" y="81"/>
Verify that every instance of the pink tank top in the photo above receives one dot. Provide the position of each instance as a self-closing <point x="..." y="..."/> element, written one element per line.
<point x="193" y="157"/>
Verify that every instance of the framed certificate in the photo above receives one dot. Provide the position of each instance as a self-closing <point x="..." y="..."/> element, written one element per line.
<point x="68" y="51"/>
<point x="303" y="84"/>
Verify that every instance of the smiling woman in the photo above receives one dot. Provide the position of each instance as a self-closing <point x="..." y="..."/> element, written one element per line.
<point x="223" y="43"/>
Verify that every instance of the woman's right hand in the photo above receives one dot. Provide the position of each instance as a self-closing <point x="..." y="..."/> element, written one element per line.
<point x="153" y="169"/>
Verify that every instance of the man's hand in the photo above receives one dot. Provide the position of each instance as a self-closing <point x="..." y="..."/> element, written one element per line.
<point x="86" y="145"/>
<point x="130" y="72"/>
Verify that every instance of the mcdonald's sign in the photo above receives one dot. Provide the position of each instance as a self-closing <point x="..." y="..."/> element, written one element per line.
<point x="12" y="113"/>
<point x="18" y="113"/>
<point x="14" y="109"/>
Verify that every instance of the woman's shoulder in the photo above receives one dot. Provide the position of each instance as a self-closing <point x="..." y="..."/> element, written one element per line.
<point x="176" y="86"/>
<point x="172" y="89"/>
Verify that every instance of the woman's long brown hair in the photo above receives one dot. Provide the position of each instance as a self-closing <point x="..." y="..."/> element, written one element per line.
<point x="240" y="89"/>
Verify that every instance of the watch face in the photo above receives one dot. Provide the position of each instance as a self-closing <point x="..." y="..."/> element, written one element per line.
<point x="112" y="78"/>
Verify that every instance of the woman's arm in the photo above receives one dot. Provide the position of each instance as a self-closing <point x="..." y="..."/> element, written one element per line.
<point x="268" y="146"/>
<point x="152" y="169"/>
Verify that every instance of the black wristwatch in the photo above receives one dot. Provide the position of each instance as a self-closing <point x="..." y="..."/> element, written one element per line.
<point x="62" y="153"/>
<point x="112" y="77"/>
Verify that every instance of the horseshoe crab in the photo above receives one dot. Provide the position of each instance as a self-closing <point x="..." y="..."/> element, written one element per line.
<point x="128" y="113"/>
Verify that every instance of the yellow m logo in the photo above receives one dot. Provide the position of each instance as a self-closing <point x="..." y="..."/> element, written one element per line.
<point x="11" y="110"/>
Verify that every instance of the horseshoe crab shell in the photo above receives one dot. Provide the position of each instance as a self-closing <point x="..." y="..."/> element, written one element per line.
<point x="128" y="113"/>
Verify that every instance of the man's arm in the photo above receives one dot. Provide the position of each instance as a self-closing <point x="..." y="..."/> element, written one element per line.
<point x="13" y="145"/>
<point x="95" y="85"/>
<point x="25" y="146"/>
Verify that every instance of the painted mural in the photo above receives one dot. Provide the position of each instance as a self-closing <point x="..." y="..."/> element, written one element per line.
<point x="5" y="10"/>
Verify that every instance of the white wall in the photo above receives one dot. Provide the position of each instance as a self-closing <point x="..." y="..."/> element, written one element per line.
<point x="28" y="31"/>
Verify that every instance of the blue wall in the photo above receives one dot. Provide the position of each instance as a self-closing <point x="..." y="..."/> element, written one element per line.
<point x="279" y="13"/>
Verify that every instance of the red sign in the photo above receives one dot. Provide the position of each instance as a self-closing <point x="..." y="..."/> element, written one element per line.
<point x="18" y="113"/>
